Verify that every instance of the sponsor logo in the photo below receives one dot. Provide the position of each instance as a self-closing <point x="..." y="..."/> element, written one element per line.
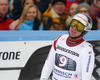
<point x="10" y="55"/>
<point x="62" y="38"/>
<point x="90" y="52"/>
<point x="62" y="73"/>
<point x="88" y="65"/>
<point x="82" y="18"/>
<point x="68" y="51"/>
<point x="75" y="75"/>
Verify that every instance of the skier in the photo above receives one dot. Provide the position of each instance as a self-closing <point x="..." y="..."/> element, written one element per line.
<point x="71" y="57"/>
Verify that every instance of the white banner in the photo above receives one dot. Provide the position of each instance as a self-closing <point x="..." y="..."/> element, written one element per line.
<point x="14" y="55"/>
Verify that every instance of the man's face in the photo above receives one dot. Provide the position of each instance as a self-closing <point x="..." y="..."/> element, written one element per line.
<point x="59" y="7"/>
<point x="3" y="7"/>
<point x="73" y="32"/>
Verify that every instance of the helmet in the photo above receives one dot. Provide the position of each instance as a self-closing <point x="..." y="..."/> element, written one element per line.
<point x="85" y="20"/>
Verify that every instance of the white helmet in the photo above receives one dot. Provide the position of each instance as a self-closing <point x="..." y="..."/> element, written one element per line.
<point x="84" y="19"/>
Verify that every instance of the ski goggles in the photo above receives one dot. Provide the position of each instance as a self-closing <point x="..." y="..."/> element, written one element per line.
<point x="79" y="26"/>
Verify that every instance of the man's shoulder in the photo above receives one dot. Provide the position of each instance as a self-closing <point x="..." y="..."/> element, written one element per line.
<point x="87" y="45"/>
<point x="62" y="37"/>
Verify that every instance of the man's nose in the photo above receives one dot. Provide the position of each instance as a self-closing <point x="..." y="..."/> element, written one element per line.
<point x="74" y="27"/>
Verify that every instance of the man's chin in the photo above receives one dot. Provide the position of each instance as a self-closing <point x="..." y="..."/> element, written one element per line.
<point x="72" y="36"/>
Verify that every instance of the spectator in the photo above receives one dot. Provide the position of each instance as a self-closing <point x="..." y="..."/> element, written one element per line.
<point x="54" y="17"/>
<point x="71" y="57"/>
<point x="29" y="18"/>
<point x="71" y="12"/>
<point x="86" y="8"/>
<point x="19" y="5"/>
<point x="16" y="24"/>
<point x="15" y="12"/>
<point x="70" y="2"/>
<point x="96" y="12"/>
<point x="95" y="7"/>
<point x="4" y="20"/>
<point x="17" y="9"/>
<point x="26" y="2"/>
<point x="43" y="5"/>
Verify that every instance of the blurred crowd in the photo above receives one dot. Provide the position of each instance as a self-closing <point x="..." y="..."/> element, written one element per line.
<point x="45" y="14"/>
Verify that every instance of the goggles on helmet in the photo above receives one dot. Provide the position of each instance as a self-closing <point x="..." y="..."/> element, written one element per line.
<point x="79" y="26"/>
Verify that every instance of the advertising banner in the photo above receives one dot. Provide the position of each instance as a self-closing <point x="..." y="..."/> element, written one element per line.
<point x="14" y="55"/>
<point x="22" y="54"/>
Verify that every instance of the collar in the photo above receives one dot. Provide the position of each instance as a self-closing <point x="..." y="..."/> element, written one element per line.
<point x="71" y="42"/>
<point x="29" y="21"/>
<point x="54" y="14"/>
